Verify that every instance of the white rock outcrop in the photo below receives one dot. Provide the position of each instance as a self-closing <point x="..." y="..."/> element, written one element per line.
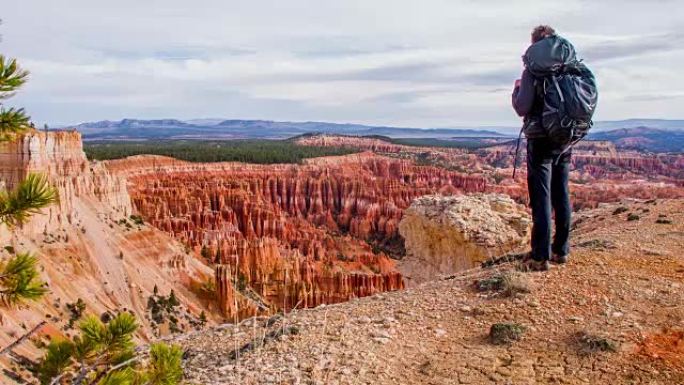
<point x="446" y="234"/>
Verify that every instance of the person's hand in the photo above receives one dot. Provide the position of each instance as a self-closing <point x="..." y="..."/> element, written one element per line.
<point x="517" y="83"/>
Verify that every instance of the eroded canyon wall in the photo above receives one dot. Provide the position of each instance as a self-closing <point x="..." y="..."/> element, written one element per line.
<point x="60" y="156"/>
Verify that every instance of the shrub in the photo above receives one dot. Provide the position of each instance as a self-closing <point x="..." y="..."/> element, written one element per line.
<point x="633" y="217"/>
<point x="76" y="310"/>
<point x="505" y="333"/>
<point x="137" y="219"/>
<point x="620" y="210"/>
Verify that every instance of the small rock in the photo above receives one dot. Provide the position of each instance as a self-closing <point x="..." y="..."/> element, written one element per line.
<point x="381" y="334"/>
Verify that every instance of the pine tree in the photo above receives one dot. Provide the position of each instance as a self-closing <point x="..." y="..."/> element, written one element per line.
<point x="203" y="318"/>
<point x="173" y="300"/>
<point x="34" y="193"/>
<point x="205" y="253"/>
<point x="18" y="276"/>
<point x="106" y="354"/>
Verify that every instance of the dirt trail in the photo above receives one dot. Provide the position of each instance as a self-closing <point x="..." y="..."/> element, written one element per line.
<point x="623" y="284"/>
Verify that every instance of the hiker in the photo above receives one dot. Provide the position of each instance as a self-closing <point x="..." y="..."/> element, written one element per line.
<point x="552" y="124"/>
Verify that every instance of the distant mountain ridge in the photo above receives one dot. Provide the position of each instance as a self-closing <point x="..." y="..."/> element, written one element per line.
<point x="644" y="139"/>
<point x="661" y="124"/>
<point x="245" y="129"/>
<point x="656" y="135"/>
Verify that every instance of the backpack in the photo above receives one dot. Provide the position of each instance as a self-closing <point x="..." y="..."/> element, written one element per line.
<point x="568" y="89"/>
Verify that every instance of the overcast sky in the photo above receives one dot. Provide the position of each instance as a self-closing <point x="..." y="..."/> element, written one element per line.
<point x="421" y="63"/>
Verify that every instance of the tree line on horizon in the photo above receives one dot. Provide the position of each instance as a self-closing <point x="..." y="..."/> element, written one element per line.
<point x="242" y="150"/>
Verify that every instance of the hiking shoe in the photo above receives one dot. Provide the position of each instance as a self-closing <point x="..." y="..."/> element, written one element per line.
<point x="559" y="259"/>
<point x="531" y="264"/>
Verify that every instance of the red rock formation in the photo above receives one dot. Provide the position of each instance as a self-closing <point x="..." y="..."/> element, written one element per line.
<point x="308" y="234"/>
<point x="293" y="234"/>
<point x="601" y="160"/>
<point x="601" y="172"/>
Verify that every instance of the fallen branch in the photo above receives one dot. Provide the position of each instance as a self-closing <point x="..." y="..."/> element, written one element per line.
<point x="22" y="338"/>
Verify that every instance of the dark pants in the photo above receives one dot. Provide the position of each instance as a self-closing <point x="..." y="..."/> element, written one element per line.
<point x="547" y="183"/>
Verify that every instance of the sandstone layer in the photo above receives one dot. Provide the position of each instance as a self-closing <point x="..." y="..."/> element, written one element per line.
<point x="444" y="235"/>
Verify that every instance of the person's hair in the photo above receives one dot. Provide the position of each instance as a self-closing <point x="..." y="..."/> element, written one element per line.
<point x="541" y="31"/>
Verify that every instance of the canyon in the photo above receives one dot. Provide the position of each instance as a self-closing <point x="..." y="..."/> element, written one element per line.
<point x="295" y="235"/>
<point x="235" y="240"/>
<point x="327" y="230"/>
<point x="600" y="172"/>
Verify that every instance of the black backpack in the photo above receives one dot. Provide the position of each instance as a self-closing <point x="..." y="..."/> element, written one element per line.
<point x="567" y="87"/>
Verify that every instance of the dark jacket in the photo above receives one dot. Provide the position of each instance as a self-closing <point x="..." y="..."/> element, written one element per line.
<point x="528" y="103"/>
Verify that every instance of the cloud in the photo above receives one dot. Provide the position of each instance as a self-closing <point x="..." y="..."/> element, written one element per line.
<point x="654" y="97"/>
<point x="400" y="62"/>
<point x="633" y="46"/>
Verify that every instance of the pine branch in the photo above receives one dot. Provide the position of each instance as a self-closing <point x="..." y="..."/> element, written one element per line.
<point x="11" y="76"/>
<point x="13" y="121"/>
<point x="20" y="280"/>
<point x="29" y="197"/>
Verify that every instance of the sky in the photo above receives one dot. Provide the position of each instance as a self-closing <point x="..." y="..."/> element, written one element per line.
<point x="427" y="63"/>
